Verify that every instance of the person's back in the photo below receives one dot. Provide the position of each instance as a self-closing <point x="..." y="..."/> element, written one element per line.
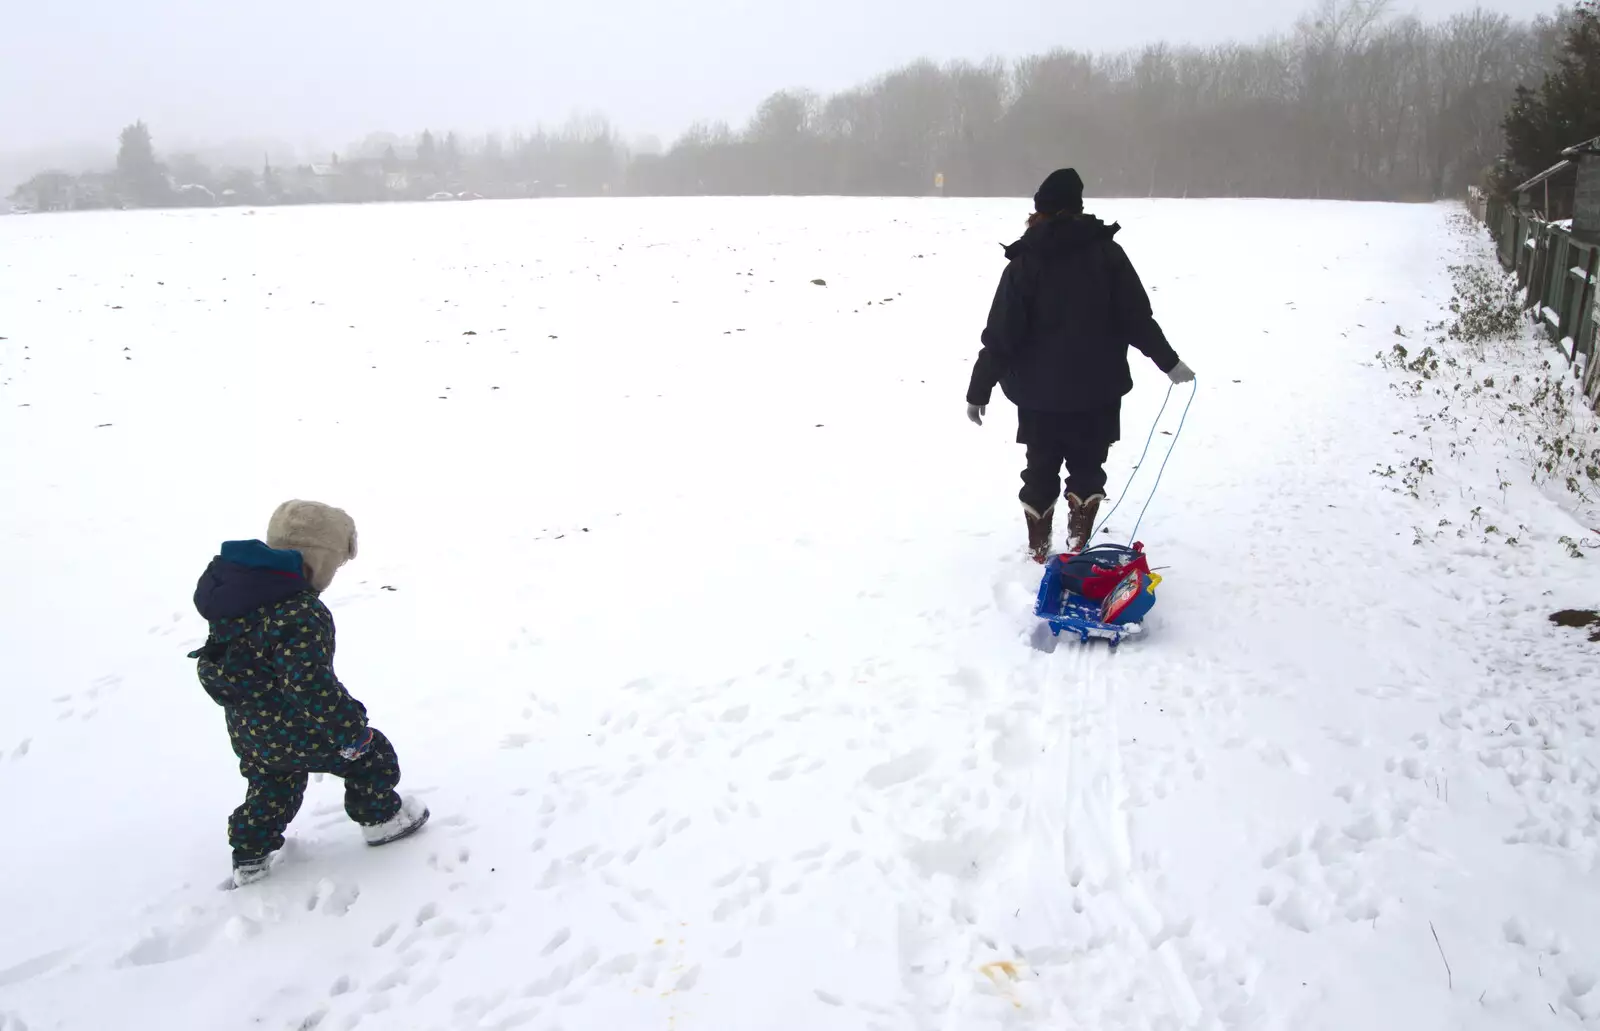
<point x="1082" y="307"/>
<point x="277" y="688"/>
<point x="1068" y="307"/>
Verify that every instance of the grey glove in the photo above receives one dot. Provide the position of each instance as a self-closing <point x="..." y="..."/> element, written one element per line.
<point x="1181" y="373"/>
<point x="976" y="412"/>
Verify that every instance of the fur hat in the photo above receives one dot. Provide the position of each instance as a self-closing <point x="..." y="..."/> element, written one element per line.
<point x="324" y="536"/>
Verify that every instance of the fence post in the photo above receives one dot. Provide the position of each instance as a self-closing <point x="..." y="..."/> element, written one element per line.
<point x="1557" y="272"/>
<point x="1532" y="274"/>
<point x="1591" y="379"/>
<point x="1586" y="299"/>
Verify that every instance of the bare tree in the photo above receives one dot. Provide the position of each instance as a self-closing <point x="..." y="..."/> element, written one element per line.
<point x="1352" y="103"/>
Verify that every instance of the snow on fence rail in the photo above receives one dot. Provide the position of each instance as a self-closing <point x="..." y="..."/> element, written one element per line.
<point x="1557" y="272"/>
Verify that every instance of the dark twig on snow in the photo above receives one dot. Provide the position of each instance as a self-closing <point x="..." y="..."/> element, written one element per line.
<point x="1451" y="976"/>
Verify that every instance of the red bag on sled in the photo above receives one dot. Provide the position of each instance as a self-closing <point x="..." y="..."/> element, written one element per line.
<point x="1095" y="572"/>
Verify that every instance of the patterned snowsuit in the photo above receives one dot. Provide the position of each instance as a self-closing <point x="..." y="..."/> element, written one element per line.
<point x="269" y="663"/>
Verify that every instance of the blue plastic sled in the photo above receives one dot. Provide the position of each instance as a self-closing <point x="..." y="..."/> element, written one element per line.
<point x="1074" y="614"/>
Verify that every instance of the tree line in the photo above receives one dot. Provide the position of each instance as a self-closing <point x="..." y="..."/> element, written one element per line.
<point x="1353" y="103"/>
<point x="1562" y="111"/>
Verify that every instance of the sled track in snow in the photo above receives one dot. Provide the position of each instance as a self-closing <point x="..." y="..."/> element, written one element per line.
<point x="1097" y="846"/>
<point x="1047" y="923"/>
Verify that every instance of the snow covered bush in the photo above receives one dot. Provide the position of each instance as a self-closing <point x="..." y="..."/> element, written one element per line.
<point x="1498" y="377"/>
<point x="1485" y="306"/>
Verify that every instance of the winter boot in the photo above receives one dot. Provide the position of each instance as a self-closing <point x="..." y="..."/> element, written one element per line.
<point x="403" y="824"/>
<point x="1080" y="520"/>
<point x="248" y="871"/>
<point x="1040" y="527"/>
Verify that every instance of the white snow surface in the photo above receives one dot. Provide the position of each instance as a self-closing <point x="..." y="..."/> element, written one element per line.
<point x="698" y="614"/>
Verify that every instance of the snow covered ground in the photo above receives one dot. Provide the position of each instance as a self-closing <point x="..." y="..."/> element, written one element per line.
<point x="696" y="611"/>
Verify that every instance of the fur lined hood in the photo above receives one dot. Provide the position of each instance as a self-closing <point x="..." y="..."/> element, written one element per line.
<point x="324" y="536"/>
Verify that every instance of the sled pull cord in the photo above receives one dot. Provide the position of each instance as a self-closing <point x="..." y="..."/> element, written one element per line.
<point x="1140" y="463"/>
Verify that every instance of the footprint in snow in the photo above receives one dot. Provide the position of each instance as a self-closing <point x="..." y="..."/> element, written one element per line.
<point x="160" y="946"/>
<point x="561" y="938"/>
<point x="31" y="968"/>
<point x="899" y="770"/>
<point x="393" y="979"/>
<point x="332" y="899"/>
<point x="427" y="986"/>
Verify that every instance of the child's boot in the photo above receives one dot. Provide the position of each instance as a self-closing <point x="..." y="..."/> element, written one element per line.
<point x="406" y="822"/>
<point x="248" y="871"/>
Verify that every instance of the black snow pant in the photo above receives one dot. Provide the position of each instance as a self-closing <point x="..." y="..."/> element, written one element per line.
<point x="274" y="793"/>
<point x="1079" y="440"/>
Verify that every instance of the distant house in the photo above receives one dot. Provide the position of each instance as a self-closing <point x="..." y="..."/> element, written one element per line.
<point x="95" y="190"/>
<point x="303" y="184"/>
<point x="1555" y="193"/>
<point x="196" y="196"/>
<point x="322" y="180"/>
<point x="1586" y="189"/>
<point x="47" y="191"/>
<point x="25" y="199"/>
<point x="1550" y="193"/>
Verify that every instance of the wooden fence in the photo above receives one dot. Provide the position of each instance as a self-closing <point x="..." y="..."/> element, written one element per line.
<point x="1557" y="273"/>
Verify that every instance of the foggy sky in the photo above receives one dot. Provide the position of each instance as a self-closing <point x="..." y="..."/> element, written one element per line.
<point x="327" y="72"/>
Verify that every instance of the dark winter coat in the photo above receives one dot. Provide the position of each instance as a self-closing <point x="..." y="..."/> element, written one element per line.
<point x="1068" y="307"/>
<point x="268" y="660"/>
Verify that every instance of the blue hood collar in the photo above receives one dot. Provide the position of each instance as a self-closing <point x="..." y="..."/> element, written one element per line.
<point x="246" y="576"/>
<point x="256" y="555"/>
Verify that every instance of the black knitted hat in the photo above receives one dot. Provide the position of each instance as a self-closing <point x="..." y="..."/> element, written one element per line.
<point x="1061" y="191"/>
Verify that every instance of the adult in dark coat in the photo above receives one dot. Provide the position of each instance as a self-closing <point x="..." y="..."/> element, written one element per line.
<point x="1068" y="307"/>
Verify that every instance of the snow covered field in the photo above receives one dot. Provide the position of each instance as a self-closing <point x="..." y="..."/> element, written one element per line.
<point x="697" y="613"/>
